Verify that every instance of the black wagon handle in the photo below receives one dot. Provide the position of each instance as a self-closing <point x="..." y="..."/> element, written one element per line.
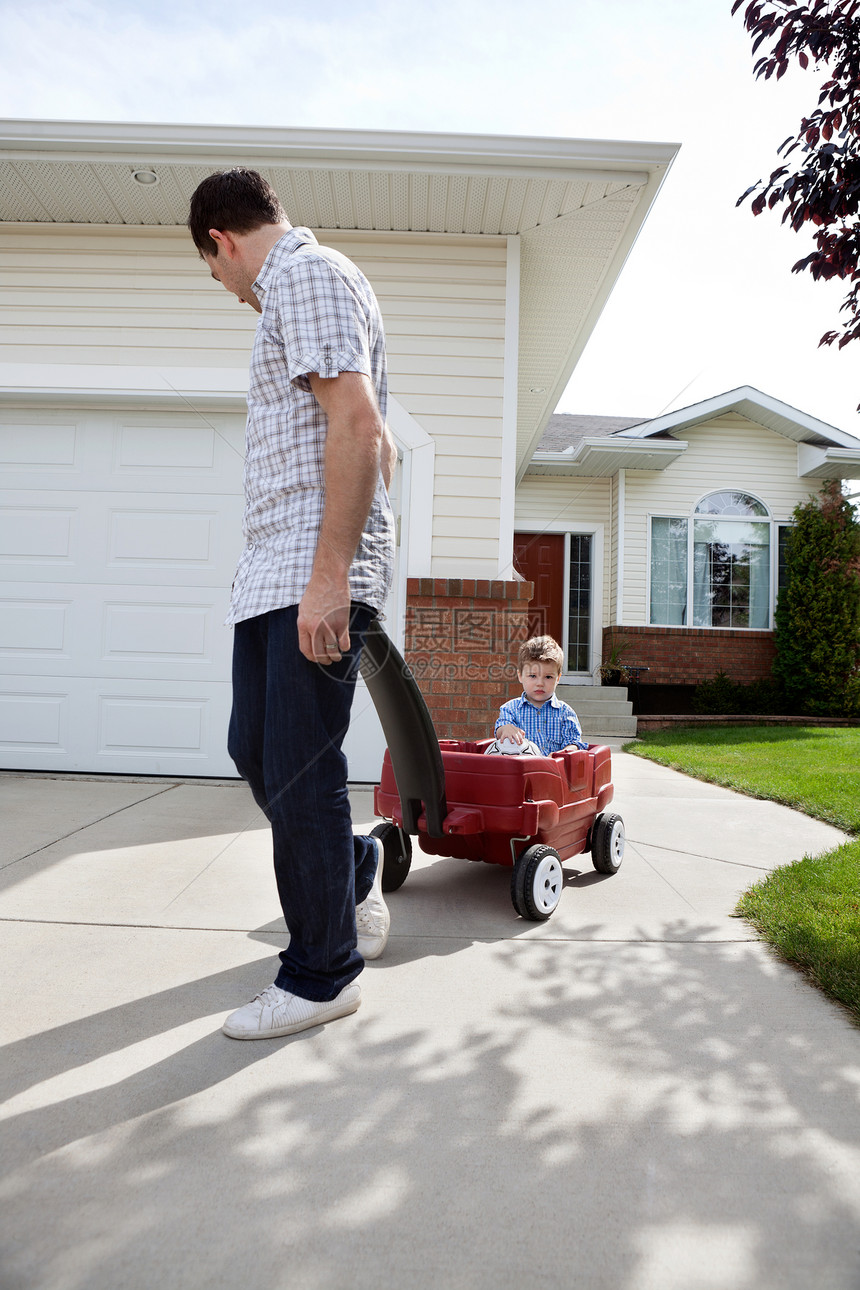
<point x="413" y="745"/>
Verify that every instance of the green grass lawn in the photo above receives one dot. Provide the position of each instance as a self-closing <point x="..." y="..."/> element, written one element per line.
<point x="810" y="910"/>
<point x="815" y="769"/>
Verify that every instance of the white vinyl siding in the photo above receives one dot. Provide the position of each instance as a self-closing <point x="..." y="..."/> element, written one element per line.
<point x="115" y="296"/>
<point x="729" y="452"/>
<point x="120" y="297"/>
<point x="555" y="502"/>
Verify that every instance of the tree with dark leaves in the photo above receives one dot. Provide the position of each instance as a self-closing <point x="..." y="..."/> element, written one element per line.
<point x="824" y="190"/>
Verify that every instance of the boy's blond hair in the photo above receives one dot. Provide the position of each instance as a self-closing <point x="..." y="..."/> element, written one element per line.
<point x="540" y="649"/>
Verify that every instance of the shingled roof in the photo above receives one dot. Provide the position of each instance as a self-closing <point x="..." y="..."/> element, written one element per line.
<point x="564" y="430"/>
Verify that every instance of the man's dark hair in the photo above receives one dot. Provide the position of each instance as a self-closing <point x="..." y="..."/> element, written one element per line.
<point x="233" y="201"/>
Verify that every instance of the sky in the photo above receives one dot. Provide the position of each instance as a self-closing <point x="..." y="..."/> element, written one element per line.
<point x="706" y="301"/>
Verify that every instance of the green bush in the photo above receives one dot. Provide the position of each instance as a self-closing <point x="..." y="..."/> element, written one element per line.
<point x="764" y="697"/>
<point x="718" y="697"/>
<point x="818" y="611"/>
<point x="723" y="697"/>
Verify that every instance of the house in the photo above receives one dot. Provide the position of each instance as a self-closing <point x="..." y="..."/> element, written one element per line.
<point x="123" y="369"/>
<point x="667" y="534"/>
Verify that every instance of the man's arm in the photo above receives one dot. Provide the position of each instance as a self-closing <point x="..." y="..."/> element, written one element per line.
<point x="354" y="452"/>
<point x="387" y="458"/>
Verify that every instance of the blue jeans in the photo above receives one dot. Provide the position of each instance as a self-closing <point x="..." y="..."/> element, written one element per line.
<point x="287" y="726"/>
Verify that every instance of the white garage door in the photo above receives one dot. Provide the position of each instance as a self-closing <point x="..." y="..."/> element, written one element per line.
<point x="119" y="535"/>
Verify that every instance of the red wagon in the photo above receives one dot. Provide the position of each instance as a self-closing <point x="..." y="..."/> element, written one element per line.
<point x="527" y="813"/>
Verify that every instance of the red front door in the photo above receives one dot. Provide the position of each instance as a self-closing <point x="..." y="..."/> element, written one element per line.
<point x="539" y="557"/>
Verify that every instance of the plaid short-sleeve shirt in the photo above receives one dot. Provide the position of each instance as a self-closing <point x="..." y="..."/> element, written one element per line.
<point x="319" y="314"/>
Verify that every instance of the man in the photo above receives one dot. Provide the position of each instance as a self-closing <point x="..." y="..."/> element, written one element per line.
<point x="315" y="569"/>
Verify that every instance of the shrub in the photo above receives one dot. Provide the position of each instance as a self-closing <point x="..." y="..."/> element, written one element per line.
<point x="818" y="612"/>
<point x="723" y="697"/>
<point x="765" y="697"/>
<point x="718" y="697"/>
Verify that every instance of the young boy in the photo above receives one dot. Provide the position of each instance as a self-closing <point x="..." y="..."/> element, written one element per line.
<point x="539" y="717"/>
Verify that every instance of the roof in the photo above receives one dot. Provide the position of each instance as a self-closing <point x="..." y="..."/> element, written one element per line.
<point x="565" y="429"/>
<point x="755" y="406"/>
<point x="574" y="206"/>
<point x="599" y="446"/>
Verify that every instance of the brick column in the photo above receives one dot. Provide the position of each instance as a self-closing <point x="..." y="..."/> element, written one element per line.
<point x="462" y="637"/>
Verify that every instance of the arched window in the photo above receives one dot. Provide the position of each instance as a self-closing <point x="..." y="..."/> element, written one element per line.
<point x="713" y="569"/>
<point x="734" y="504"/>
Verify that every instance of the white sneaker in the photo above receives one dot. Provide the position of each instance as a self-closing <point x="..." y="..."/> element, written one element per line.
<point x="277" y="1012"/>
<point x="372" y="919"/>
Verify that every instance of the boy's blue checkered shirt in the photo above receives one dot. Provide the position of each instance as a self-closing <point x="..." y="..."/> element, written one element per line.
<point x="552" y="726"/>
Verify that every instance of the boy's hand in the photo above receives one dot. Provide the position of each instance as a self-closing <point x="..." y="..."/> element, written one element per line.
<point x="511" y="732"/>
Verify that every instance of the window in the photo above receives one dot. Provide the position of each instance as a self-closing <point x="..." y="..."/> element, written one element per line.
<point x="713" y="569"/>
<point x="579" y="604"/>
<point x="668" y="572"/>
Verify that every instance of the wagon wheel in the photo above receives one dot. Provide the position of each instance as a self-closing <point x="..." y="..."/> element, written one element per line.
<point x="607" y="843"/>
<point x="536" y="882"/>
<point x="396" y="855"/>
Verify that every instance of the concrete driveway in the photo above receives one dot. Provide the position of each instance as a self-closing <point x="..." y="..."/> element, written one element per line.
<point x="634" y="1094"/>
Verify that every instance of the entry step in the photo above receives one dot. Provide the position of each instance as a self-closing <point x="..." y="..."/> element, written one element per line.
<point x="603" y="710"/>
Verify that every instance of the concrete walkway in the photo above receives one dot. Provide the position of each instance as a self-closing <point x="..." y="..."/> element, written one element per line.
<point x="634" y="1095"/>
